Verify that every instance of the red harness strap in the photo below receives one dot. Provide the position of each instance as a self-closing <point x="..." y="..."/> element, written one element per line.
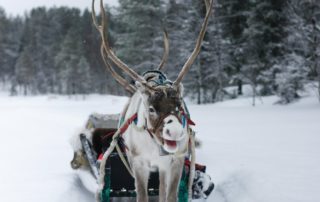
<point x="198" y="166"/>
<point x="189" y="121"/>
<point x="127" y="123"/>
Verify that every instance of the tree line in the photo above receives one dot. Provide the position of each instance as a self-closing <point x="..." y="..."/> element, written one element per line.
<point x="272" y="46"/>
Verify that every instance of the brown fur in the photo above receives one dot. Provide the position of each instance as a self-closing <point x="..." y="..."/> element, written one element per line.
<point x="165" y="100"/>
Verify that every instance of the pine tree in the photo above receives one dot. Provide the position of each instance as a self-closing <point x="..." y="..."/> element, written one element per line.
<point x="216" y="52"/>
<point x="264" y="47"/>
<point x="233" y="15"/>
<point x="194" y="81"/>
<point x="139" y="39"/>
<point x="101" y="81"/>
<point x="311" y="17"/>
<point x="290" y="78"/>
<point x="67" y="61"/>
<point x="290" y="73"/>
<point x="83" y="77"/>
<point x="24" y="71"/>
<point x="176" y="24"/>
<point x="3" y="54"/>
<point x="10" y="38"/>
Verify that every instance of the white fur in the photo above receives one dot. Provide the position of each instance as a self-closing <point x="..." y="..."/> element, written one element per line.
<point x="143" y="152"/>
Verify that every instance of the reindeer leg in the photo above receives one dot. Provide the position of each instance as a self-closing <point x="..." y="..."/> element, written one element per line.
<point x="162" y="186"/>
<point x="141" y="175"/>
<point x="174" y="180"/>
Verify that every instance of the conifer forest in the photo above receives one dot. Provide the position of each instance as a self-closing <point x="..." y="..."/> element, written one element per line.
<point x="271" y="46"/>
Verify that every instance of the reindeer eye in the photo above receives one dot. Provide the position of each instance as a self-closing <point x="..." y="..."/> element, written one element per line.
<point x="152" y="110"/>
<point x="170" y="121"/>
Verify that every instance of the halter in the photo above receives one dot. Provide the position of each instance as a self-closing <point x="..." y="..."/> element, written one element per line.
<point x="182" y="116"/>
<point x="184" y="119"/>
<point x="157" y="78"/>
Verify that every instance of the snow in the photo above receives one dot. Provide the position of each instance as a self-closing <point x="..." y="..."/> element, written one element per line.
<point x="267" y="153"/>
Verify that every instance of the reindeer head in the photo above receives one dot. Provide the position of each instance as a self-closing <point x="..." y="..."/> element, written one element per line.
<point x="163" y="107"/>
<point x="162" y="100"/>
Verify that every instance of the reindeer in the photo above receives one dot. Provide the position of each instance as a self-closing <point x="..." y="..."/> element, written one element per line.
<point x="160" y="113"/>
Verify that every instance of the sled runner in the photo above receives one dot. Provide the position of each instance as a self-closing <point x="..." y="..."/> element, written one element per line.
<point x="95" y="139"/>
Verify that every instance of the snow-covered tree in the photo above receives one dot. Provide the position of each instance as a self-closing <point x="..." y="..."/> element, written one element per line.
<point x="10" y="42"/>
<point x="264" y="48"/>
<point x="139" y="35"/>
<point x="83" y="76"/>
<point x="304" y="36"/>
<point x="182" y="18"/>
<point x="216" y="55"/>
<point x="271" y="45"/>
<point x="291" y="77"/>
<point x="233" y="17"/>
<point x="196" y="81"/>
<point x="67" y="61"/>
<point x="177" y="25"/>
<point x="311" y="16"/>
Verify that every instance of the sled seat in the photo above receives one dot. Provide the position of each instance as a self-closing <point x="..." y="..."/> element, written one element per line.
<point x="122" y="183"/>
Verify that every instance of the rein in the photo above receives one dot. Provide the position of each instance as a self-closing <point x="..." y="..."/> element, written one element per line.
<point x="128" y="123"/>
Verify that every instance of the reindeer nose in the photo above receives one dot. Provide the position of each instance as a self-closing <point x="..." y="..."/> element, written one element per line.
<point x="168" y="132"/>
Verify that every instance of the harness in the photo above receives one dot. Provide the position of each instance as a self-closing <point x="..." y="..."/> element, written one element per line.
<point x="184" y="119"/>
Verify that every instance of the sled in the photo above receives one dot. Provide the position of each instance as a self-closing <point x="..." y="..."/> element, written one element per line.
<point x="118" y="183"/>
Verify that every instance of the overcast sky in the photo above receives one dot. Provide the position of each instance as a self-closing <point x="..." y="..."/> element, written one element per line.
<point x="18" y="7"/>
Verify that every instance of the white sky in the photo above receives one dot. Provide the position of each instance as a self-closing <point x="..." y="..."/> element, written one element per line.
<point x="18" y="7"/>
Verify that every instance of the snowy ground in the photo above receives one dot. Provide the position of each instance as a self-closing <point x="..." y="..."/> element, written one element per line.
<point x="263" y="154"/>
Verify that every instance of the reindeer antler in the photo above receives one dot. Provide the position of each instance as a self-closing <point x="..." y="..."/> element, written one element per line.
<point x="102" y="29"/>
<point x="125" y="84"/>
<point x="197" y="48"/>
<point x="166" y="50"/>
<point x="107" y="52"/>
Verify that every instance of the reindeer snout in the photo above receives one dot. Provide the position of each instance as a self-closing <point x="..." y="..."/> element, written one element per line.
<point x="173" y="129"/>
<point x="175" y="134"/>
